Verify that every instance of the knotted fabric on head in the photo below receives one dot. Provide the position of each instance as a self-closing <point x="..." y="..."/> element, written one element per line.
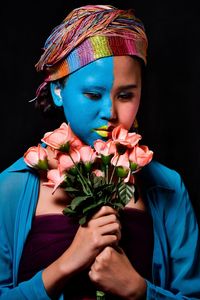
<point x="87" y="34"/>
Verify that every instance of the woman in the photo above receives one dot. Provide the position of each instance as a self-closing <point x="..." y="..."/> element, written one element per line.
<point x="93" y="65"/>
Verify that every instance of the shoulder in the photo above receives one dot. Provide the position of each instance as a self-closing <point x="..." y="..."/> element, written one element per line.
<point x="158" y="175"/>
<point x="164" y="188"/>
<point x="18" y="189"/>
<point x="13" y="181"/>
<point x="166" y="194"/>
<point x="11" y="177"/>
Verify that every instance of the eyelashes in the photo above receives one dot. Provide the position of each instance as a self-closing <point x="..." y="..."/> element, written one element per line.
<point x="122" y="96"/>
<point x="126" y="96"/>
<point x="93" y="95"/>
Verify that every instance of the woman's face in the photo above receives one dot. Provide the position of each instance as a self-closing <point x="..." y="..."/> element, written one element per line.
<point x="104" y="93"/>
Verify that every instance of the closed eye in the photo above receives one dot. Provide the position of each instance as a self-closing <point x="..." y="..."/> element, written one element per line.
<point x="125" y="96"/>
<point x="93" y="95"/>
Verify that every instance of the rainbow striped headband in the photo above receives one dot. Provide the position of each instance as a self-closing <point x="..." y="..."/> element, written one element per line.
<point x="92" y="49"/>
<point x="87" y="34"/>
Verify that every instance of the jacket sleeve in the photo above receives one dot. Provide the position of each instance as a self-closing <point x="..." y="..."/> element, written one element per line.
<point x="183" y="242"/>
<point x="31" y="289"/>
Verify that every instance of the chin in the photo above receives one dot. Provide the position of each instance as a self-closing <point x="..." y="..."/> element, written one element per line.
<point x="90" y="141"/>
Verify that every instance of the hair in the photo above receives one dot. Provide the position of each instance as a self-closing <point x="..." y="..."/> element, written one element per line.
<point x="45" y="104"/>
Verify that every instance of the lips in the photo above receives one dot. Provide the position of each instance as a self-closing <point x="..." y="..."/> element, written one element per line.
<point x="104" y="131"/>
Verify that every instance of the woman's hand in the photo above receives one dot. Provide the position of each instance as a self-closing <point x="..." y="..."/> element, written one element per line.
<point x="102" y="230"/>
<point x="112" y="272"/>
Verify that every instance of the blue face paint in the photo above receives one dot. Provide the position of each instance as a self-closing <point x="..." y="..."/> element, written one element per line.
<point x="86" y="98"/>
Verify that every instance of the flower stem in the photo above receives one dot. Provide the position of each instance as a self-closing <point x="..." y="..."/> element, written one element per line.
<point x="114" y="170"/>
<point x="82" y="179"/>
<point x="107" y="174"/>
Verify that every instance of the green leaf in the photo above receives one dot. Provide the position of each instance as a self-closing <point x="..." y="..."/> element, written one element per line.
<point x="93" y="206"/>
<point x="100" y="295"/>
<point x="84" y="187"/>
<point x="105" y="187"/>
<point x="68" y="211"/>
<point x="98" y="181"/>
<point x="117" y="205"/>
<point x="73" y="171"/>
<point x="70" y="179"/>
<point x="125" y="192"/>
<point x="78" y="200"/>
<point x="71" y="189"/>
<point x="110" y="187"/>
<point x="83" y="220"/>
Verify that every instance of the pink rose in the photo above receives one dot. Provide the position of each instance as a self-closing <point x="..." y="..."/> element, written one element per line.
<point x="98" y="173"/>
<point x="55" y="179"/>
<point x="87" y="154"/>
<point x="121" y="160"/>
<point x="65" y="162"/>
<point x="123" y="137"/>
<point x="62" y="138"/>
<point x="36" y="157"/>
<point x="104" y="148"/>
<point x="123" y="166"/>
<point x="140" y="156"/>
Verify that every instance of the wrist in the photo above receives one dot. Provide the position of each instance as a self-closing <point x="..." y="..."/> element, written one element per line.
<point x="67" y="265"/>
<point x="137" y="289"/>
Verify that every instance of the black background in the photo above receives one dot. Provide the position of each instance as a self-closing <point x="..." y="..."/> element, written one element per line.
<point x="169" y="113"/>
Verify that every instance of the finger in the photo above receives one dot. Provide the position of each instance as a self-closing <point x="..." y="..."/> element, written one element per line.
<point x="105" y="254"/>
<point x="114" y="229"/>
<point x="107" y="240"/>
<point x="104" y="220"/>
<point x="104" y="258"/>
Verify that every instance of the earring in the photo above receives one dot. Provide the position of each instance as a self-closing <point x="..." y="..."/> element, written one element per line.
<point x="135" y="126"/>
<point x="135" y="123"/>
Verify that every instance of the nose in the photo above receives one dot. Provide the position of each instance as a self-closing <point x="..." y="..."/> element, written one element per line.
<point x="108" y="111"/>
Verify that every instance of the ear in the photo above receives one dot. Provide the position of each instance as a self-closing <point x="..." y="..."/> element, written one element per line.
<point x="55" y="88"/>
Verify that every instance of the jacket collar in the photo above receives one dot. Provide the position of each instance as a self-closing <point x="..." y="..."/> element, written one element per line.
<point x="18" y="166"/>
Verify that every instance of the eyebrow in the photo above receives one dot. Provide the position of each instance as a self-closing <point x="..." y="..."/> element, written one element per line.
<point x="127" y="87"/>
<point x="93" y="87"/>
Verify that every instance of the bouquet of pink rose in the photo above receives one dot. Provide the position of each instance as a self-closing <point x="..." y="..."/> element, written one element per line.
<point x="91" y="176"/>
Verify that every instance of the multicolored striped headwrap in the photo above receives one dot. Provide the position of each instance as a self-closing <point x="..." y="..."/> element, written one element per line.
<point x="88" y="33"/>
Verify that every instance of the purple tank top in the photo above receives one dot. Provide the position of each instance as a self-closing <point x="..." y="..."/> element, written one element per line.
<point x="51" y="235"/>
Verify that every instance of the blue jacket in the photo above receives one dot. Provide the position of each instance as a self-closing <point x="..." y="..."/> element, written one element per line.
<point x="176" y="257"/>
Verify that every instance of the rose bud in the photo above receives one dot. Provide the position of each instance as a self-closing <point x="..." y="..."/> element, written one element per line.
<point x="36" y="157"/>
